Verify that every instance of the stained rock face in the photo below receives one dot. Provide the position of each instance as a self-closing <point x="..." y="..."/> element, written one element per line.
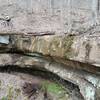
<point x="56" y="54"/>
<point x="88" y="82"/>
<point x="58" y="37"/>
<point x="79" y="48"/>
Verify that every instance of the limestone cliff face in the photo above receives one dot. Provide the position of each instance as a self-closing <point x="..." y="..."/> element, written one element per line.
<point x="61" y="36"/>
<point x="63" y="16"/>
<point x="83" y="48"/>
<point x="54" y="19"/>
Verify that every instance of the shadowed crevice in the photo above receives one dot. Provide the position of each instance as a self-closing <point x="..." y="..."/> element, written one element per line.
<point x="30" y="90"/>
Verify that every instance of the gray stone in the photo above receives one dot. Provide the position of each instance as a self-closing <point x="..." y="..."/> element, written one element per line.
<point x="22" y="16"/>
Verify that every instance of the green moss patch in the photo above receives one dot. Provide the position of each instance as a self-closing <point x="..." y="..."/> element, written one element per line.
<point x="55" y="90"/>
<point x="4" y="98"/>
<point x="53" y="87"/>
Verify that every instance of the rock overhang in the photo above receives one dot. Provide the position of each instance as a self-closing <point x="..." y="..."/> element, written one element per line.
<point x="27" y="29"/>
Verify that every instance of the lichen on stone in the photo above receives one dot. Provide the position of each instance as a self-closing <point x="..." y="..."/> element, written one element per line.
<point x="88" y="49"/>
<point x="67" y="43"/>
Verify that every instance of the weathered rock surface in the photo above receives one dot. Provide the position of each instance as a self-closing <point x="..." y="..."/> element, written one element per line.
<point x="88" y="83"/>
<point x="83" y="48"/>
<point x="56" y="50"/>
<point x="48" y="15"/>
<point x="63" y="35"/>
<point x="52" y="53"/>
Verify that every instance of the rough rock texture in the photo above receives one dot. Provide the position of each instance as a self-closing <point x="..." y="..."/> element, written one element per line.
<point x="88" y="83"/>
<point x="52" y="53"/>
<point x="83" y="48"/>
<point x="62" y="37"/>
<point x="29" y="16"/>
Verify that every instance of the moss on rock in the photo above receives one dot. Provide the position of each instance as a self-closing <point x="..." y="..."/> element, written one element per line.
<point x="56" y="90"/>
<point x="67" y="43"/>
